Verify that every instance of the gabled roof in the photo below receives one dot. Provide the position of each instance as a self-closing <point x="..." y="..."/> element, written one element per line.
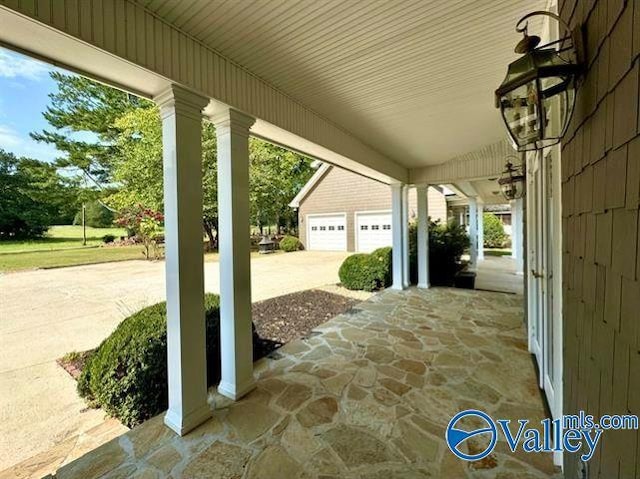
<point x="317" y="176"/>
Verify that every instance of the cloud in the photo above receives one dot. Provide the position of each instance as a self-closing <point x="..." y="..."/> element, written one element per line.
<point x="24" y="145"/>
<point x="13" y="65"/>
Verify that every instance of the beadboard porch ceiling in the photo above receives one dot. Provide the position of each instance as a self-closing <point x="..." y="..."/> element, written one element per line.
<point x="414" y="79"/>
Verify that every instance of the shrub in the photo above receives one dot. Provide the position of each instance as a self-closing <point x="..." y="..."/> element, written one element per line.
<point x="381" y="264"/>
<point x="494" y="235"/>
<point x="95" y="215"/>
<point x="290" y="243"/>
<point x="447" y="243"/>
<point x="108" y="238"/>
<point x="367" y="272"/>
<point x="127" y="375"/>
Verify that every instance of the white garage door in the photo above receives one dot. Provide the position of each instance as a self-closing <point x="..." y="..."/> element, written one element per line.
<point x="327" y="232"/>
<point x="373" y="230"/>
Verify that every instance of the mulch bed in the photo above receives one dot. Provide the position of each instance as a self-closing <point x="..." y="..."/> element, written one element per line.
<point x="277" y="321"/>
<point x="294" y="315"/>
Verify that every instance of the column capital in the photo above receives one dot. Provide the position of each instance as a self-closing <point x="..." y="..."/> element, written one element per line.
<point x="176" y="98"/>
<point x="230" y="118"/>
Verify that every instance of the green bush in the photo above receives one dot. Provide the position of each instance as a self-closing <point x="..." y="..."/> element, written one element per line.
<point x="127" y="375"/>
<point x="494" y="235"/>
<point x="447" y="243"/>
<point x="290" y="243"/>
<point x="367" y="272"/>
<point x="95" y="215"/>
<point x="108" y="238"/>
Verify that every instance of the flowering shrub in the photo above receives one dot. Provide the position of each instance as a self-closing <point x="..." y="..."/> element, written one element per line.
<point x="145" y="224"/>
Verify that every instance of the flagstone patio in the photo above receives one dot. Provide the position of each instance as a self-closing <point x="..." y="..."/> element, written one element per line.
<point x="368" y="395"/>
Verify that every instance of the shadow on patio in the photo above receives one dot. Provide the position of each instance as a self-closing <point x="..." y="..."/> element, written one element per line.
<point x="368" y="396"/>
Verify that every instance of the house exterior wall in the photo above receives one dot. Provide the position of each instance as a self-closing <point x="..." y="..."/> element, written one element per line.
<point x="341" y="191"/>
<point x="601" y="263"/>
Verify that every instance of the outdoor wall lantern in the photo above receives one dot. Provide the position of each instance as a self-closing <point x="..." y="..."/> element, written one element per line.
<point x="538" y="94"/>
<point x="512" y="182"/>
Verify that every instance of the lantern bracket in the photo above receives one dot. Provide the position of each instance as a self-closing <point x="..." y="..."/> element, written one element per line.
<point x="575" y="36"/>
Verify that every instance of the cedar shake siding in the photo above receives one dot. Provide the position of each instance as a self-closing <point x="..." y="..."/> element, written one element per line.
<point x="341" y="191"/>
<point x="601" y="262"/>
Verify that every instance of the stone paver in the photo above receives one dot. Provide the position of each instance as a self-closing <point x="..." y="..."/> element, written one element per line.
<point x="408" y="362"/>
<point x="47" y="313"/>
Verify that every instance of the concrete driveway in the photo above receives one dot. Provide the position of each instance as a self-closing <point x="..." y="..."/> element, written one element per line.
<point x="47" y="313"/>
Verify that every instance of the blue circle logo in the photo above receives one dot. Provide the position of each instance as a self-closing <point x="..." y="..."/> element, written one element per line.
<point x="456" y="436"/>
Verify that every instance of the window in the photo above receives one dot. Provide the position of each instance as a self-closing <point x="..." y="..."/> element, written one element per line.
<point x="314" y="228"/>
<point x="323" y="228"/>
<point x="386" y="227"/>
<point x="332" y="228"/>
<point x="340" y="227"/>
<point x="364" y="227"/>
<point x="375" y="227"/>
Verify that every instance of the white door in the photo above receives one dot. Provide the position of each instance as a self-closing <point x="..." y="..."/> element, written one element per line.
<point x="327" y="232"/>
<point x="536" y="235"/>
<point x="545" y="326"/>
<point x="373" y="230"/>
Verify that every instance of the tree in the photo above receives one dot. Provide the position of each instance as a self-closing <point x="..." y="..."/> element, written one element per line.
<point x="494" y="235"/>
<point x="276" y="176"/>
<point x="32" y="195"/>
<point x="84" y="106"/>
<point x="96" y="216"/>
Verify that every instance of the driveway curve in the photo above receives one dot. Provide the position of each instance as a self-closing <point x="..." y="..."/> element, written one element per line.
<point x="47" y="313"/>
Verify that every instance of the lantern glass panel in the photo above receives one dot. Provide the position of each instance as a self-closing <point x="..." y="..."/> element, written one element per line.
<point x="557" y="101"/>
<point x="520" y="111"/>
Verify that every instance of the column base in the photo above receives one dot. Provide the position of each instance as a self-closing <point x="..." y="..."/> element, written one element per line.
<point x="182" y="425"/>
<point x="424" y="285"/>
<point x="234" y="392"/>
<point x="397" y="287"/>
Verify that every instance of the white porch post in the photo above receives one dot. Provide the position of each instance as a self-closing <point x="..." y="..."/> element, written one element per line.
<point x="517" y="234"/>
<point x="405" y="236"/>
<point x="397" y="236"/>
<point x="423" y="236"/>
<point x="473" y="231"/>
<point x="480" y="206"/>
<point x="236" y="347"/>
<point x="186" y="349"/>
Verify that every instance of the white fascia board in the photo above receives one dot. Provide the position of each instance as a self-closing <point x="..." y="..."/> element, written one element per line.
<point x="317" y="176"/>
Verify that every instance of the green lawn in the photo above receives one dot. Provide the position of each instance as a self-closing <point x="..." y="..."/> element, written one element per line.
<point x="61" y="237"/>
<point x="63" y="247"/>
<point x="67" y="257"/>
<point x="497" y="252"/>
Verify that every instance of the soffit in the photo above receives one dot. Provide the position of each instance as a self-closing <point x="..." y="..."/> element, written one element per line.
<point x="414" y="79"/>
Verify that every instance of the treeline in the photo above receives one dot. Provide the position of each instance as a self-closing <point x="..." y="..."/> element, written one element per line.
<point x="111" y="156"/>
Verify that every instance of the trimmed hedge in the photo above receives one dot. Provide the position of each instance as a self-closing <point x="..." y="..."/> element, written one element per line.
<point x="127" y="374"/>
<point x="367" y="272"/>
<point x="289" y="244"/>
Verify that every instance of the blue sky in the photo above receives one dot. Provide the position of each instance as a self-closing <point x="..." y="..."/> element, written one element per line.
<point x="24" y="86"/>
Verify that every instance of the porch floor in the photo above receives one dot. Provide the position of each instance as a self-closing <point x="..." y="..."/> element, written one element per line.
<point x="368" y="396"/>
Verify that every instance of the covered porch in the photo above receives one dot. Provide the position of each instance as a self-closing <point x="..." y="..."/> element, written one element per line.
<point x="368" y="394"/>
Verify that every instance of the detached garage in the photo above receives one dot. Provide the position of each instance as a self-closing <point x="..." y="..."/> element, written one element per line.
<point x="342" y="211"/>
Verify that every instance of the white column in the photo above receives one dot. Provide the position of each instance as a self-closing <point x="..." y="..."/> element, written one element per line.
<point x="397" y="236"/>
<point x="405" y="236"/>
<point x="480" y="231"/>
<point x="473" y="230"/>
<point x="517" y="218"/>
<point x="180" y="111"/>
<point x="236" y="347"/>
<point x="423" y="236"/>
